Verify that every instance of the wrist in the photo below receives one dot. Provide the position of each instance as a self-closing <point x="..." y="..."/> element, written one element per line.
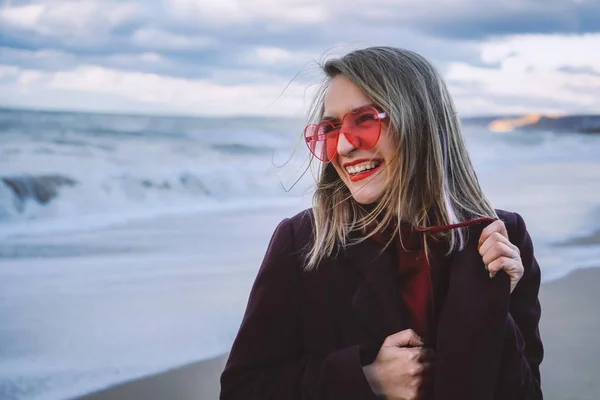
<point x="371" y="375"/>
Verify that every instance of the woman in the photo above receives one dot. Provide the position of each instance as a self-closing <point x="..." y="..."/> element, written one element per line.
<point x="349" y="303"/>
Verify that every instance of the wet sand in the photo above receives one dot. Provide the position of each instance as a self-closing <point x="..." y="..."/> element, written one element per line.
<point x="196" y="381"/>
<point x="569" y="327"/>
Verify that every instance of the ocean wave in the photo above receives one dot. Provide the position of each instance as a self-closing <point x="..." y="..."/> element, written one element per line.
<point x="44" y="197"/>
<point x="19" y="194"/>
<point x="15" y="191"/>
<point x="242" y="149"/>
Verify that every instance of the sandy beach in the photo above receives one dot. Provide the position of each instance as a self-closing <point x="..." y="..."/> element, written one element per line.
<point x="569" y="327"/>
<point x="570" y="324"/>
<point x="196" y="381"/>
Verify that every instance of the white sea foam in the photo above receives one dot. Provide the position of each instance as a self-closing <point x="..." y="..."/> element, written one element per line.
<point x="52" y="172"/>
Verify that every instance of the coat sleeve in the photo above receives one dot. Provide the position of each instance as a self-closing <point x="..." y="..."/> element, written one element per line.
<point x="268" y="359"/>
<point x="523" y="350"/>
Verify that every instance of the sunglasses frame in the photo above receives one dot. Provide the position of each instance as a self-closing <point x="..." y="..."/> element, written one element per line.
<point x="380" y="116"/>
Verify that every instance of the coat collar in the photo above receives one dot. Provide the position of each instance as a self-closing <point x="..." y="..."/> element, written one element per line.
<point x="378" y="307"/>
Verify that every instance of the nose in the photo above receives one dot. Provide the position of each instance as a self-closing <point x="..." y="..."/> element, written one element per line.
<point x="344" y="146"/>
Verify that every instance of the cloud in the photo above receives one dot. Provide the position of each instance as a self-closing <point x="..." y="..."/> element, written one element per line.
<point x="7" y="71"/>
<point x="581" y="70"/>
<point x="69" y="18"/>
<point x="531" y="76"/>
<point x="239" y="46"/>
<point x="161" y="40"/>
<point x="24" y="17"/>
<point x="45" y="59"/>
<point x="149" y="92"/>
<point x="476" y="19"/>
<point x="231" y="12"/>
<point x="551" y="51"/>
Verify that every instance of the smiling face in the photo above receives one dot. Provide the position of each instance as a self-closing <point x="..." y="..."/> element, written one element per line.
<point x="363" y="171"/>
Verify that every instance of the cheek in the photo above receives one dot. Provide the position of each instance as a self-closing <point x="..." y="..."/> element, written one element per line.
<point x="387" y="149"/>
<point x="338" y="168"/>
<point x="386" y="141"/>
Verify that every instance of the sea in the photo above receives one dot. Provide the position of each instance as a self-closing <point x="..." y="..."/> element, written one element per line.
<point x="128" y="244"/>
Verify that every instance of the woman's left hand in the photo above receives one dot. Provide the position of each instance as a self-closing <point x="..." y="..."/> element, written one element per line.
<point x="499" y="253"/>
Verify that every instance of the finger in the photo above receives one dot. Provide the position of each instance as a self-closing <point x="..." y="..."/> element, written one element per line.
<point x="403" y="338"/>
<point x="428" y="367"/>
<point x="500" y="264"/>
<point x="421" y="370"/>
<point x="496" y="226"/>
<point x="428" y="374"/>
<point x="512" y="268"/>
<point x="420" y="354"/>
<point x="497" y="250"/>
<point x="498" y="238"/>
<point x="415" y="354"/>
<point x="495" y="237"/>
<point x="416" y="369"/>
<point x="427" y="354"/>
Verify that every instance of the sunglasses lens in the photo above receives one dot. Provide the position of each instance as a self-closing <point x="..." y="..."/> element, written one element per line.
<point x="363" y="127"/>
<point x="322" y="140"/>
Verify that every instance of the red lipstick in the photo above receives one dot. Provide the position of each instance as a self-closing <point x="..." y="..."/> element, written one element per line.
<point x="363" y="175"/>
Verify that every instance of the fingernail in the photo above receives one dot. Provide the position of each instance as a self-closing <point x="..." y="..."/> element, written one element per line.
<point x="487" y="269"/>
<point x="491" y="276"/>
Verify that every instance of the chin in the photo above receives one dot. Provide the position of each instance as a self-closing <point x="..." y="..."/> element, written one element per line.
<point x="366" y="197"/>
<point x="368" y="192"/>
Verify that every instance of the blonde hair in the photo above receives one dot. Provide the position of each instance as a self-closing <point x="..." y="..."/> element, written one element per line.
<point x="433" y="181"/>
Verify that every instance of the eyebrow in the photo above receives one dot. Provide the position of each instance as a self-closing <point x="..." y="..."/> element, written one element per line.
<point x="328" y="118"/>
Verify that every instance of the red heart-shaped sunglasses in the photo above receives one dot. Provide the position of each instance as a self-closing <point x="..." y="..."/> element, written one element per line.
<point x="361" y="127"/>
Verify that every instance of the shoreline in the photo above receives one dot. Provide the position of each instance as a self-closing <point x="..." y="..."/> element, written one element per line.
<point x="198" y="380"/>
<point x="592" y="239"/>
<point x="568" y="328"/>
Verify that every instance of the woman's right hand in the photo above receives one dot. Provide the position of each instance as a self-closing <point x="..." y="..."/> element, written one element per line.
<point x="401" y="367"/>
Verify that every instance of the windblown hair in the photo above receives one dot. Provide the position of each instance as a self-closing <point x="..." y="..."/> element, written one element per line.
<point x="432" y="179"/>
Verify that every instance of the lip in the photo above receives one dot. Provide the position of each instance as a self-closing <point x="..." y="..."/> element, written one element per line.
<point x="365" y="175"/>
<point x="362" y="160"/>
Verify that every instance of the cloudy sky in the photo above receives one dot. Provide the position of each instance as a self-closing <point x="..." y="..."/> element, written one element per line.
<point x="224" y="57"/>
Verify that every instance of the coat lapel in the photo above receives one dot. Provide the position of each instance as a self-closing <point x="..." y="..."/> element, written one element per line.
<point x="377" y="300"/>
<point x="471" y="327"/>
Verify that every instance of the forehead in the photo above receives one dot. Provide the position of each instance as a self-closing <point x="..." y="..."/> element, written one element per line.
<point x="342" y="96"/>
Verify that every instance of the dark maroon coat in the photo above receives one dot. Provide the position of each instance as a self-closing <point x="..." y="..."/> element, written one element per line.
<point x="306" y="335"/>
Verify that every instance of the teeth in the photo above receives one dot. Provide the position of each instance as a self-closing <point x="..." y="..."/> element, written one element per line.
<point x="362" y="167"/>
